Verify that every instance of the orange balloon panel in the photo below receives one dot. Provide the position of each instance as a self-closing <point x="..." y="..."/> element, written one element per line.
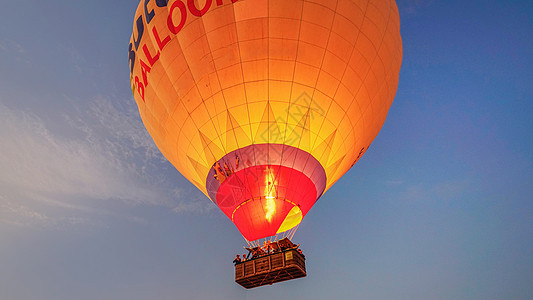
<point x="313" y="77"/>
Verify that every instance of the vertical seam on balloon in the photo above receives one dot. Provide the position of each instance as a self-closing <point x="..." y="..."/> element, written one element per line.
<point x="320" y="70"/>
<point x="312" y="95"/>
<point x="344" y="72"/>
<point x="218" y="80"/>
<point x="181" y="99"/>
<point x="377" y="56"/>
<point x="293" y="72"/>
<point x="209" y="164"/>
<point x="146" y="109"/>
<point x="316" y="83"/>
<point x="326" y="113"/>
<point x="244" y="87"/>
<point x="340" y="82"/>
<point x="314" y="89"/>
<point x="221" y="91"/>
<point x="150" y="38"/>
<point x="268" y="90"/>
<point x="357" y="92"/>
<point x="243" y="81"/>
<point x="377" y="50"/>
<point x="223" y="97"/>
<point x="292" y="85"/>
<point x="291" y="99"/>
<point x="268" y="80"/>
<point x="371" y="63"/>
<point x="198" y="126"/>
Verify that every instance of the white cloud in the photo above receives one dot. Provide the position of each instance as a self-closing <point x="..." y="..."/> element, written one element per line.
<point x="412" y="7"/>
<point x="422" y="192"/>
<point x="35" y="160"/>
<point x="394" y="182"/>
<point x="11" y="45"/>
<point x="102" y="155"/>
<point x="13" y="213"/>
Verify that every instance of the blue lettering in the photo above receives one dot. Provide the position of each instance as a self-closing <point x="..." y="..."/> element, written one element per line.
<point x="132" y="58"/>
<point x="140" y="31"/>
<point x="149" y="15"/>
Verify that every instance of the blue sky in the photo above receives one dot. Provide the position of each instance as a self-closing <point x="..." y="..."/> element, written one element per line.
<point x="440" y="207"/>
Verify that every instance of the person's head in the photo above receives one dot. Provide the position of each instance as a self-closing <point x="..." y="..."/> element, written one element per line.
<point x="237" y="255"/>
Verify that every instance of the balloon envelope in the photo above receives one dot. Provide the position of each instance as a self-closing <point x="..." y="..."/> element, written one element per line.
<point x="264" y="104"/>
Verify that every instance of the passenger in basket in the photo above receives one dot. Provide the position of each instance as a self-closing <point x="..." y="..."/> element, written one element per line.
<point x="266" y="246"/>
<point x="237" y="260"/>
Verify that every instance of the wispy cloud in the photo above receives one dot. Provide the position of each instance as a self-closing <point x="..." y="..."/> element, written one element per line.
<point x="11" y="45"/>
<point x="423" y="192"/>
<point x="412" y="7"/>
<point x="394" y="182"/>
<point x="102" y="154"/>
<point x="19" y="214"/>
<point x="76" y="59"/>
<point x="37" y="161"/>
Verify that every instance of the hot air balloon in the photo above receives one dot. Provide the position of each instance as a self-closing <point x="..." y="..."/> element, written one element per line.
<point x="264" y="104"/>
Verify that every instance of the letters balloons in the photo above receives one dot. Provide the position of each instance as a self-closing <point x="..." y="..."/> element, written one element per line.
<point x="264" y="104"/>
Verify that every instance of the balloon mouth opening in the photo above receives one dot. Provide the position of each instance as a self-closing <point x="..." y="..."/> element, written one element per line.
<point x="266" y="189"/>
<point x="259" y="209"/>
<point x="267" y="207"/>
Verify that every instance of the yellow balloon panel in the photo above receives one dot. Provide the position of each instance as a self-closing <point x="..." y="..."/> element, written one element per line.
<point x="214" y="76"/>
